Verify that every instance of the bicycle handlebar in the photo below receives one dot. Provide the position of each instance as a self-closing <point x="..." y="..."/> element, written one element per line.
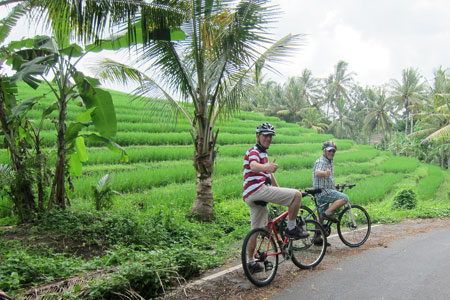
<point x="341" y="187"/>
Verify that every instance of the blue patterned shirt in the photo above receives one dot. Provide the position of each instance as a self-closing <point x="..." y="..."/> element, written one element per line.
<point x="324" y="183"/>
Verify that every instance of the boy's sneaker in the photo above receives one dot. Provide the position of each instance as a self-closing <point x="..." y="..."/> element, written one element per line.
<point x="255" y="267"/>
<point x="296" y="233"/>
<point x="332" y="218"/>
<point x="319" y="241"/>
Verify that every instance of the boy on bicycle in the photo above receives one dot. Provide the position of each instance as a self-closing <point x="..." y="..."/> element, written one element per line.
<point x="260" y="187"/>
<point x="323" y="178"/>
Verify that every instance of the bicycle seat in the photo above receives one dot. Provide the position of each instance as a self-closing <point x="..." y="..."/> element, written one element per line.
<point x="312" y="191"/>
<point x="260" y="202"/>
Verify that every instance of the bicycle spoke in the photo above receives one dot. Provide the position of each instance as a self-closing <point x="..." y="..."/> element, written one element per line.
<point x="354" y="226"/>
<point x="265" y="255"/>
<point x="308" y="253"/>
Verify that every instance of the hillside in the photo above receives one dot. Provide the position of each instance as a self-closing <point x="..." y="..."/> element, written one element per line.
<point x="160" y="159"/>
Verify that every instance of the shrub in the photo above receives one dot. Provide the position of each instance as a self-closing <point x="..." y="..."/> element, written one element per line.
<point x="103" y="193"/>
<point x="405" y="199"/>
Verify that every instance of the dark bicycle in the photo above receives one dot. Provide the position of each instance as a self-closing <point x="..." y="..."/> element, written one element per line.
<point x="353" y="225"/>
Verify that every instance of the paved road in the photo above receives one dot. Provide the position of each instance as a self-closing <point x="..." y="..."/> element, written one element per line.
<point x="416" y="267"/>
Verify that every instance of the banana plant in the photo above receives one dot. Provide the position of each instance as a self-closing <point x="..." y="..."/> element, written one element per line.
<point x="42" y="60"/>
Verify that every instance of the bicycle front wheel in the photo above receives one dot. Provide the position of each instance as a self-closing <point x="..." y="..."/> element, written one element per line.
<point x="306" y="213"/>
<point x="354" y="226"/>
<point x="259" y="245"/>
<point x="309" y="252"/>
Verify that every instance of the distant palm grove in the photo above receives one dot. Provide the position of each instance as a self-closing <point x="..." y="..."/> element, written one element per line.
<point x="409" y="117"/>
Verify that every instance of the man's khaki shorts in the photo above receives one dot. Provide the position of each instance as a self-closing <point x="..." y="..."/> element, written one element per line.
<point x="259" y="214"/>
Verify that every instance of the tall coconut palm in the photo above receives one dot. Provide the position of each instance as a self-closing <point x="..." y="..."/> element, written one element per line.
<point x="293" y="99"/>
<point x="212" y="69"/>
<point x="342" y="124"/>
<point x="338" y="84"/>
<point x="408" y="93"/>
<point x="312" y="90"/>
<point x="378" y="113"/>
<point x="434" y="120"/>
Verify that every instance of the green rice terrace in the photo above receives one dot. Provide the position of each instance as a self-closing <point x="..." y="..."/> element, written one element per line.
<point x="146" y="241"/>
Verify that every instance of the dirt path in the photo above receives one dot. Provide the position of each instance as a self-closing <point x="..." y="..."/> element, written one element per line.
<point x="234" y="284"/>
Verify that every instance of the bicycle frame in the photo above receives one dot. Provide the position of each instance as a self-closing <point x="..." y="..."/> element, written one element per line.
<point x="274" y="234"/>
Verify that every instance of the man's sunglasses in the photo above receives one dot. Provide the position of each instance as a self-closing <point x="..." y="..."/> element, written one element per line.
<point x="332" y="151"/>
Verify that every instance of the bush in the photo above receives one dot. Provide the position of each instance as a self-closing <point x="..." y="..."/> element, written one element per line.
<point x="405" y="199"/>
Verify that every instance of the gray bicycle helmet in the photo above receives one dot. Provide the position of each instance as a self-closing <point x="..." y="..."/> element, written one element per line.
<point x="328" y="145"/>
<point x="265" y="129"/>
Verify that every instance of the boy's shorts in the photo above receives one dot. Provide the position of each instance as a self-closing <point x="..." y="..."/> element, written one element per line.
<point x="259" y="214"/>
<point x="330" y="198"/>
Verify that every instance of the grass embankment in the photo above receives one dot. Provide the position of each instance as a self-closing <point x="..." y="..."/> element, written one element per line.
<point x="147" y="238"/>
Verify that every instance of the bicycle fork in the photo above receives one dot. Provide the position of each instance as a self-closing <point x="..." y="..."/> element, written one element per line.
<point x="351" y="218"/>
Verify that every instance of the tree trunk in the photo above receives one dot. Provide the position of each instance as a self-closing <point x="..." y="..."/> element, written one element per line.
<point x="58" y="193"/>
<point x="40" y="175"/>
<point x="411" y="127"/>
<point x="22" y="187"/>
<point x="202" y="208"/>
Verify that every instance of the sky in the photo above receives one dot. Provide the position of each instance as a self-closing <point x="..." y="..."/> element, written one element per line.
<point x="378" y="39"/>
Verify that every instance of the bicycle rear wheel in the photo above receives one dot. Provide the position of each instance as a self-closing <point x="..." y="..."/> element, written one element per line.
<point x="265" y="254"/>
<point x="354" y="226"/>
<point x="309" y="252"/>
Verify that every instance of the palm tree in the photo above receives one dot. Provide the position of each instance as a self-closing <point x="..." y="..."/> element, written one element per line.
<point x="337" y="85"/>
<point x="312" y="118"/>
<point x="434" y="120"/>
<point x="407" y="93"/>
<point x="293" y="99"/>
<point x="342" y="124"/>
<point x="378" y="113"/>
<point x="312" y="90"/>
<point x="212" y="69"/>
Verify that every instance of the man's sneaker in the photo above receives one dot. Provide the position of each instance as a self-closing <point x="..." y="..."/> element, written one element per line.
<point x="255" y="267"/>
<point x="296" y="233"/>
<point x="331" y="218"/>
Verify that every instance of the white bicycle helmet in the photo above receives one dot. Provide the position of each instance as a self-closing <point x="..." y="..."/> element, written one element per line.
<point x="265" y="129"/>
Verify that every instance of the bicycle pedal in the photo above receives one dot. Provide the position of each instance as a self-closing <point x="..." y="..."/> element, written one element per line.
<point x="268" y="265"/>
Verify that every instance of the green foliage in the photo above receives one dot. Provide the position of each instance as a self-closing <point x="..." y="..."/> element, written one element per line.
<point x="102" y="193"/>
<point x="20" y="267"/>
<point x="405" y="199"/>
<point x="396" y="164"/>
<point x="373" y="188"/>
<point x="428" y="185"/>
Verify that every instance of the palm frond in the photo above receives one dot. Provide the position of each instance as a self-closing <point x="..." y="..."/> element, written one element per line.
<point x="88" y="20"/>
<point x="443" y="132"/>
<point x="7" y="23"/>
<point x="112" y="71"/>
<point x="103" y="183"/>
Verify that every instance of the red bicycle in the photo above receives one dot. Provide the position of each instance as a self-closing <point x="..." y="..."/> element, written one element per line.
<point x="3" y="296"/>
<point x="271" y="243"/>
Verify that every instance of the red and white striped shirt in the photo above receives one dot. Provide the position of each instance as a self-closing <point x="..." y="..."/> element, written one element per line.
<point x="252" y="180"/>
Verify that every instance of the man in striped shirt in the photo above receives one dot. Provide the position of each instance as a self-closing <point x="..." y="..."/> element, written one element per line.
<point x="260" y="187"/>
<point x="323" y="178"/>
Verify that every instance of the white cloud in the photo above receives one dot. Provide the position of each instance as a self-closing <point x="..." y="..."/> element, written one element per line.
<point x="378" y="39"/>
